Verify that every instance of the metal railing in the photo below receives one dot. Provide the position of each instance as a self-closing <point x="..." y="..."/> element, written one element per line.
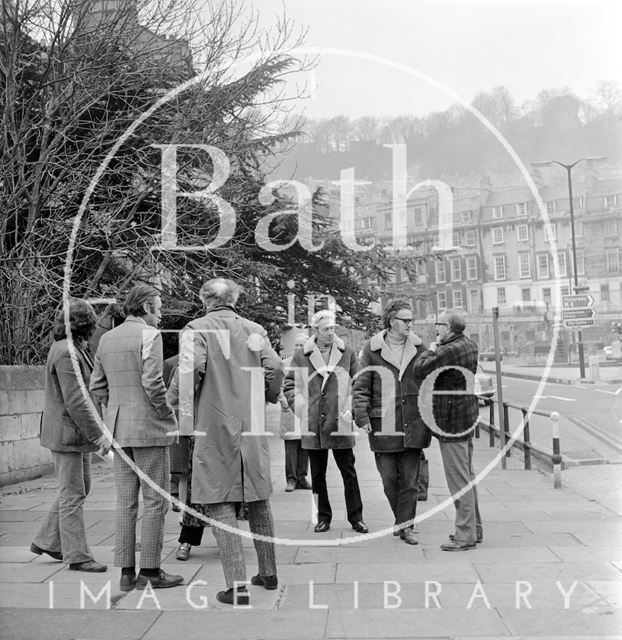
<point x="527" y="446"/>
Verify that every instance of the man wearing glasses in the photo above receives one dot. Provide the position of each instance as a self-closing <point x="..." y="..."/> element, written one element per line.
<point x="385" y="405"/>
<point x="444" y="368"/>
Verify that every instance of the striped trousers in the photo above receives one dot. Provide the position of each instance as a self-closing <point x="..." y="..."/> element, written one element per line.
<point x="154" y="463"/>
<point x="230" y="544"/>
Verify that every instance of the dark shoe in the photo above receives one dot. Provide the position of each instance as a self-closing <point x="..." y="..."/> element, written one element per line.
<point x="408" y="536"/>
<point x="127" y="582"/>
<point x="480" y="537"/>
<point x="90" y="565"/>
<point x="226" y="597"/>
<point x="303" y="484"/>
<point x="268" y="582"/>
<point x="183" y="551"/>
<point x="454" y="545"/>
<point x="360" y="527"/>
<point x="162" y="581"/>
<point x="322" y="526"/>
<point x="175" y="508"/>
<point x="291" y="486"/>
<point x="57" y="555"/>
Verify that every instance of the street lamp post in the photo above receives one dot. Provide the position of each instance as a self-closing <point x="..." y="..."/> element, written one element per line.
<point x="568" y="168"/>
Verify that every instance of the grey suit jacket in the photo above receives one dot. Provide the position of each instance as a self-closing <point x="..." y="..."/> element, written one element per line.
<point x="127" y="378"/>
<point x="69" y="421"/>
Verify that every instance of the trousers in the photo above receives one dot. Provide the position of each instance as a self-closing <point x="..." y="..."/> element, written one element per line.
<point x="345" y="462"/>
<point x="399" y="472"/>
<point x="230" y="544"/>
<point x="154" y="463"/>
<point x="458" y="466"/>
<point x="62" y="530"/>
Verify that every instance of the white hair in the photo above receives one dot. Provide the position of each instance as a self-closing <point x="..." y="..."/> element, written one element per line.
<point x="323" y="314"/>
<point x="220" y="291"/>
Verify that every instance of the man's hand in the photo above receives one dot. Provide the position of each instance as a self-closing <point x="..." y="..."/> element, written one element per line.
<point x="104" y="445"/>
<point x="433" y="346"/>
<point x="364" y="427"/>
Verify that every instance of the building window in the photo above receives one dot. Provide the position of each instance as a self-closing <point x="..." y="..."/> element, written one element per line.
<point x="611" y="227"/>
<point x="441" y="300"/>
<point x="613" y="260"/>
<point x="563" y="268"/>
<point x="604" y="292"/>
<point x="580" y="262"/>
<point x="565" y="291"/>
<point x="497" y="235"/>
<point x="500" y="268"/>
<point x="497" y="212"/>
<point x="551" y="206"/>
<point x="543" y="266"/>
<point x="578" y="229"/>
<point x="440" y="271"/>
<point x="550" y="232"/>
<point x="474" y="293"/>
<point x="546" y="295"/>
<point x="419" y="221"/>
<point x="471" y="265"/>
<point x="467" y="216"/>
<point x="578" y="202"/>
<point x="455" y="239"/>
<point x="367" y="223"/>
<point x="469" y="238"/>
<point x="388" y="220"/>
<point x="610" y="201"/>
<point x="525" y="295"/>
<point x="456" y="271"/>
<point x="524" y="265"/>
<point x="457" y="298"/>
<point x="521" y="208"/>
<point x="501" y="295"/>
<point x="522" y="232"/>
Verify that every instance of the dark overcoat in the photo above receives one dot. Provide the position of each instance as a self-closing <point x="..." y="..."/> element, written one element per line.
<point x="385" y="397"/>
<point x="322" y="401"/>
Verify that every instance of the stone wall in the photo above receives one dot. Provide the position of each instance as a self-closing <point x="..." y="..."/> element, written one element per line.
<point x="21" y="403"/>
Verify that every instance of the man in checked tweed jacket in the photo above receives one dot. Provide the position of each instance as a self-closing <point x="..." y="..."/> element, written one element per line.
<point x="452" y="419"/>
<point x="127" y="381"/>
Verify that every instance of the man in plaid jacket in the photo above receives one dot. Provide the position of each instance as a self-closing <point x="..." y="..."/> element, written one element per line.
<point x="448" y="365"/>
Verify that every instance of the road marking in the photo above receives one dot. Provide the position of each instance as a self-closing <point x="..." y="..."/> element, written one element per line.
<point x="556" y="398"/>
<point x="611" y="393"/>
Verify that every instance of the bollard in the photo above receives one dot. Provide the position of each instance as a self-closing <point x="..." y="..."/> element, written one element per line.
<point x="491" y="430"/>
<point x="594" y="368"/>
<point x="526" y="440"/>
<point x="556" y="458"/>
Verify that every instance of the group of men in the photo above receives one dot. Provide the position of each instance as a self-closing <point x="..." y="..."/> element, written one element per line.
<point x="229" y="369"/>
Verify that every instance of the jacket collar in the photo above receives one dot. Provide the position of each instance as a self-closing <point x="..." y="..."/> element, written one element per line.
<point x="315" y="357"/>
<point x="134" y="319"/>
<point x="378" y="343"/>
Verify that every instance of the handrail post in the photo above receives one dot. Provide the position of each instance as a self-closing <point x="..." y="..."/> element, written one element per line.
<point x="506" y="427"/>
<point x="556" y="458"/>
<point x="491" y="430"/>
<point x="526" y="440"/>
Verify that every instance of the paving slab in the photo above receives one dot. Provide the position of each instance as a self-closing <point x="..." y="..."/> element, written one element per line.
<point x="406" y="572"/>
<point x="239" y="624"/>
<point x="57" y="624"/>
<point x="396" y="623"/>
<point x="538" y="572"/>
<point x="564" y="622"/>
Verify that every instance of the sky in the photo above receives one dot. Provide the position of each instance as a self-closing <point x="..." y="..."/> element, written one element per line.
<point x="465" y="45"/>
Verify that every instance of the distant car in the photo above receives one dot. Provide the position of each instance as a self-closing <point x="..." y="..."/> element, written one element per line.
<point x="484" y="386"/>
<point x="484" y="356"/>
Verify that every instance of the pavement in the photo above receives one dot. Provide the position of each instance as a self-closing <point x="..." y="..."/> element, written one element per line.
<point x="550" y="565"/>
<point x="610" y="373"/>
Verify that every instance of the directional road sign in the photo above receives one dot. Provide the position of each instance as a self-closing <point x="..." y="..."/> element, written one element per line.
<point x="578" y="314"/>
<point x="577" y="302"/>
<point x="580" y="322"/>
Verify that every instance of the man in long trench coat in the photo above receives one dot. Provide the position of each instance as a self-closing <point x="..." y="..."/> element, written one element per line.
<point x="233" y="371"/>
